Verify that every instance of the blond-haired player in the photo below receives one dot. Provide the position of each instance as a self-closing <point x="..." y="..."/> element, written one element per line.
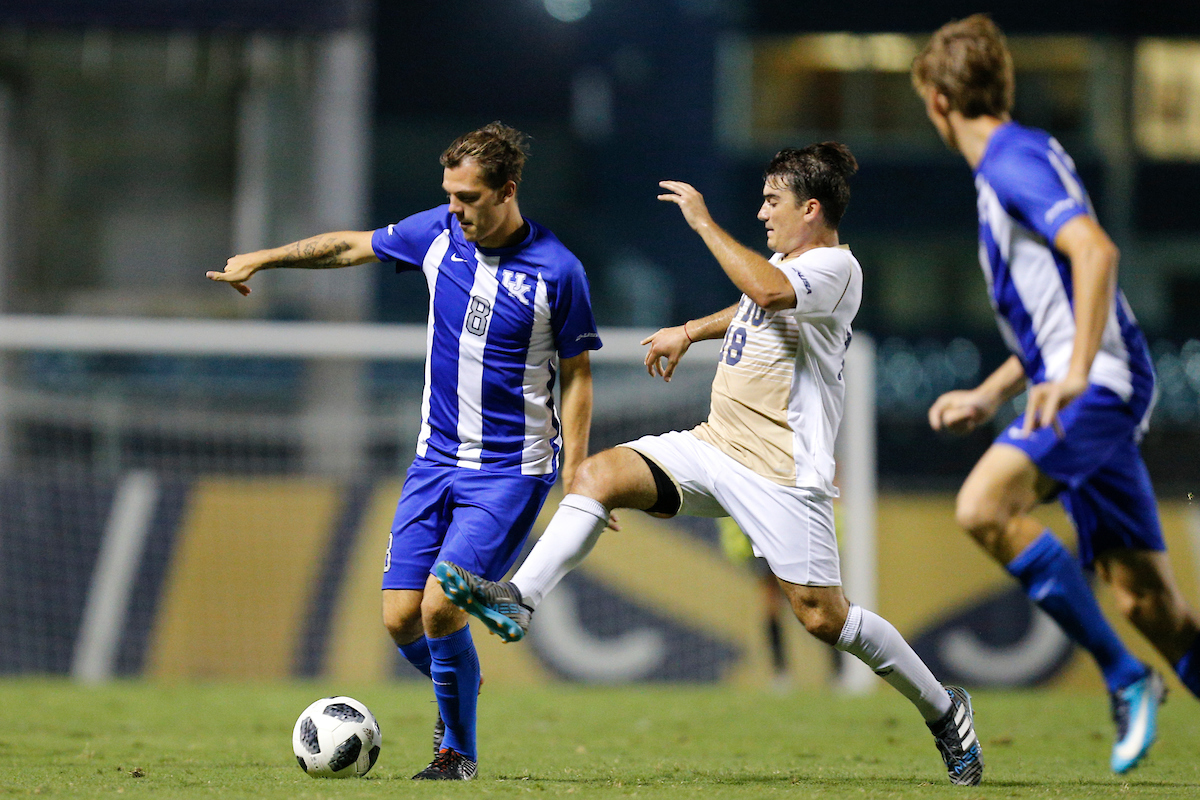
<point x="1051" y="272"/>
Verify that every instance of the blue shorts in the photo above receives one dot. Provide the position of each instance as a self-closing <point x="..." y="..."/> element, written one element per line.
<point x="1105" y="485"/>
<point x="478" y="520"/>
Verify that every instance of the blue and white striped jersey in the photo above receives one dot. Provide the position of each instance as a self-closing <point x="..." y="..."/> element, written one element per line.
<point x="499" y="320"/>
<point x="1027" y="189"/>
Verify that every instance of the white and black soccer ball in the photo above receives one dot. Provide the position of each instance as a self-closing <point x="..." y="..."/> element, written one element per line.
<point x="336" y="737"/>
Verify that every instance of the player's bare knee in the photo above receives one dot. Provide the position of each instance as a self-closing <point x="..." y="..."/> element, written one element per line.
<point x="589" y="476"/>
<point x="823" y="625"/>
<point x="403" y="625"/>
<point x="439" y="616"/>
<point x="433" y="606"/>
<point x="1139" y="607"/>
<point x="982" y="520"/>
<point x="594" y="479"/>
<point x="406" y="631"/>
<point x="820" y="618"/>
<point x="1124" y="599"/>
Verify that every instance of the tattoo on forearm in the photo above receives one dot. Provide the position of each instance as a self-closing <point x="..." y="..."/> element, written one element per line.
<point x="318" y="252"/>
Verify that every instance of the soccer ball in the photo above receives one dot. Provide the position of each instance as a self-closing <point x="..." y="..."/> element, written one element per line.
<point x="336" y="737"/>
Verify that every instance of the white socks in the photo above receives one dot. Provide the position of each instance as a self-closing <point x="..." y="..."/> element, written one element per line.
<point x="880" y="646"/>
<point x="570" y="536"/>
<point x="580" y="520"/>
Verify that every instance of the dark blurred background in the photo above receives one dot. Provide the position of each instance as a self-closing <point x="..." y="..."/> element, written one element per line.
<point x="144" y="142"/>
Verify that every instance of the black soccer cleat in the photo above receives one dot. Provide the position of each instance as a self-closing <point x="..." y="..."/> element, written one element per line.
<point x="955" y="737"/>
<point x="497" y="605"/>
<point x="448" y="765"/>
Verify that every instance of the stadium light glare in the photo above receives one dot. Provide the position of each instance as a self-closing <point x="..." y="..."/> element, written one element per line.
<point x="568" y="10"/>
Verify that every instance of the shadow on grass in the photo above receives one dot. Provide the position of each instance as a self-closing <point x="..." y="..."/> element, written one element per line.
<point x="834" y="781"/>
<point x="1113" y="783"/>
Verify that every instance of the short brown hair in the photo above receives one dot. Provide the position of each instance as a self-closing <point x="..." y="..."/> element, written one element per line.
<point x="968" y="61"/>
<point x="818" y="172"/>
<point x="499" y="150"/>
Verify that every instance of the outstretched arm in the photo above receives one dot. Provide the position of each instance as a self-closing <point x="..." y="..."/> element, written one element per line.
<point x="1093" y="259"/>
<point x="758" y="278"/>
<point x="327" y="251"/>
<point x="672" y="343"/>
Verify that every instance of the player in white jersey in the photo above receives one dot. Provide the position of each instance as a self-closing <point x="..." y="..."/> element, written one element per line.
<point x="1051" y="272"/>
<point x="508" y="311"/>
<point x="765" y="455"/>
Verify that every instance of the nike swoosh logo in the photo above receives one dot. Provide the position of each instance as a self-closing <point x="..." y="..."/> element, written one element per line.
<point x="1135" y="740"/>
<point x="456" y="258"/>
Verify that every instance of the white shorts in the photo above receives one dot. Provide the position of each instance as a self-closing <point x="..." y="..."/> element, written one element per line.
<point x="791" y="528"/>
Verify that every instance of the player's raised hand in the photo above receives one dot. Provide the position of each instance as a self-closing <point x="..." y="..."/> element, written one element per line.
<point x="690" y="202"/>
<point x="1046" y="400"/>
<point x="238" y="270"/>
<point x="960" y="411"/>
<point x="668" y="343"/>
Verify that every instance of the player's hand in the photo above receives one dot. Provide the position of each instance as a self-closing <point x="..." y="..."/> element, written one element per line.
<point x="614" y="524"/>
<point x="1046" y="400"/>
<point x="668" y="343"/>
<point x="960" y="411"/>
<point x="238" y="270"/>
<point x="690" y="202"/>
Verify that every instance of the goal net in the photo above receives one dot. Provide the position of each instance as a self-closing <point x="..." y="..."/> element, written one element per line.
<point x="212" y="499"/>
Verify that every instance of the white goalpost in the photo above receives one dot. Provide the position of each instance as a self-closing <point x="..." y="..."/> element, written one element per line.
<point x="858" y="476"/>
<point x="52" y="422"/>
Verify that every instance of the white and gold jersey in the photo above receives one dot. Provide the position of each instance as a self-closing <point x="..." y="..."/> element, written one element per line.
<point x="778" y="394"/>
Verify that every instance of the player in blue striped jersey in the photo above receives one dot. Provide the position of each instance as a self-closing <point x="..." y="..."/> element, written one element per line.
<point x="1051" y="272"/>
<point x="509" y="314"/>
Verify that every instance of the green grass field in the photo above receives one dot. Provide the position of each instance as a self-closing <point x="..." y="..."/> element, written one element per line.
<point x="234" y="740"/>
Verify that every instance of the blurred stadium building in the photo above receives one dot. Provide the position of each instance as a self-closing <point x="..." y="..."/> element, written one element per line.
<point x="205" y="492"/>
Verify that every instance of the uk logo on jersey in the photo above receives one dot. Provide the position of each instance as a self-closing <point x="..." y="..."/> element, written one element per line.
<point x="515" y="283"/>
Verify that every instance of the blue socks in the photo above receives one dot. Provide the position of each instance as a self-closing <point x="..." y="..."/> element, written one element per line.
<point x="455" y="673"/>
<point x="453" y="664"/>
<point x="1188" y="668"/>
<point x="1054" y="580"/>
<point x="418" y="655"/>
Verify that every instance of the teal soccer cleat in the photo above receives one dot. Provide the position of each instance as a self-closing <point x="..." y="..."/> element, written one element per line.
<point x="1135" y="710"/>
<point x="496" y="605"/>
